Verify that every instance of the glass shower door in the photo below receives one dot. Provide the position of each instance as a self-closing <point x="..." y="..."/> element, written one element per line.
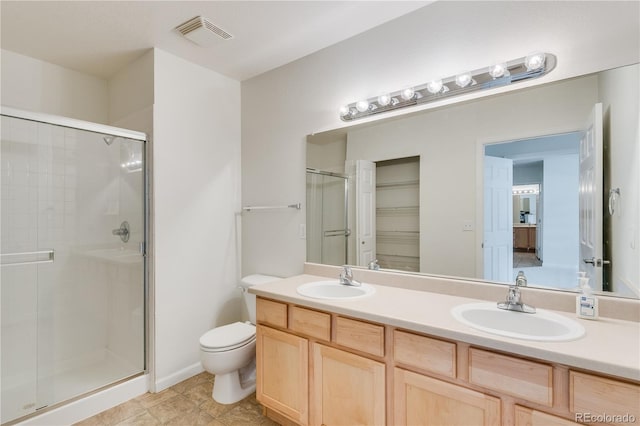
<point x="327" y="228"/>
<point x="72" y="275"/>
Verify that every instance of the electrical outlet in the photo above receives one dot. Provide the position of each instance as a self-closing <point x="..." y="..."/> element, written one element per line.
<point x="302" y="231"/>
<point x="467" y="225"/>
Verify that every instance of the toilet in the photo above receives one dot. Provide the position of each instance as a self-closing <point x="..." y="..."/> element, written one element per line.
<point x="229" y="351"/>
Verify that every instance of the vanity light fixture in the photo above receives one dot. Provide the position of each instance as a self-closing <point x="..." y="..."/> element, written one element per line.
<point x="435" y="87"/>
<point x="498" y="70"/>
<point x="362" y="106"/>
<point x="532" y="66"/>
<point x="526" y="189"/>
<point x="464" y="79"/>
<point x="408" y="94"/>
<point x="384" y="100"/>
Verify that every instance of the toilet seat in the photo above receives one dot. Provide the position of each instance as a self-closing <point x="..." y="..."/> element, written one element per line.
<point x="228" y="337"/>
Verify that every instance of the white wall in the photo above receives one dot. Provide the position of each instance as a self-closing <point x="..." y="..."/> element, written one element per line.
<point x="282" y="106"/>
<point x="197" y="194"/>
<point x="131" y="93"/>
<point x="618" y="92"/>
<point x="33" y="85"/>
<point x="560" y="211"/>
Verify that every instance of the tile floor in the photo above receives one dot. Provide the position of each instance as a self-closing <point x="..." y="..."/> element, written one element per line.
<point x="188" y="403"/>
<point x="525" y="259"/>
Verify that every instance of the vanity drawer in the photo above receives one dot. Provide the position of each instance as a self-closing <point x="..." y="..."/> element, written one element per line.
<point x="425" y="353"/>
<point x="514" y="376"/>
<point x="360" y="335"/>
<point x="310" y="323"/>
<point x="598" y="395"/>
<point x="530" y="417"/>
<point x="270" y="312"/>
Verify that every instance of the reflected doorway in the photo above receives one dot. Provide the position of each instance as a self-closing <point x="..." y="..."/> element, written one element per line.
<point x="543" y="210"/>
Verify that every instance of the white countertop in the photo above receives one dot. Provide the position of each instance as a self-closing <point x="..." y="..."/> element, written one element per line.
<point x="610" y="346"/>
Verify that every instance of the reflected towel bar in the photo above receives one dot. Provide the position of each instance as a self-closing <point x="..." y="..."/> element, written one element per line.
<point x="297" y="206"/>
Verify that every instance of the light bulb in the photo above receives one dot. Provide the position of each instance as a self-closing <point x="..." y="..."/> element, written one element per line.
<point x="384" y="100"/>
<point x="362" y="106"/>
<point x="434" y="86"/>
<point x="534" y="61"/>
<point x="498" y="70"/>
<point x="408" y="93"/>
<point x="463" y="79"/>
<point x="344" y="110"/>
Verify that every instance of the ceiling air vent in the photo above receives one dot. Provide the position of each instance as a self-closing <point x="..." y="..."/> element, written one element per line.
<point x="202" y="31"/>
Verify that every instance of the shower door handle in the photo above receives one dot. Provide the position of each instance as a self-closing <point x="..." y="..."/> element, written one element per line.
<point x="27" y="258"/>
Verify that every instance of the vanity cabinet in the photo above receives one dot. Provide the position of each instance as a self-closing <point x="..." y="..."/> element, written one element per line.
<point x="422" y="400"/>
<point x="524" y="237"/>
<point x="282" y="378"/>
<point x="347" y="389"/>
<point x="322" y="368"/>
<point x="528" y="417"/>
<point x="600" y="396"/>
<point x="531" y="381"/>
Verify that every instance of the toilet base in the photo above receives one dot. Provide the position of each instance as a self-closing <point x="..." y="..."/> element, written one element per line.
<point x="232" y="387"/>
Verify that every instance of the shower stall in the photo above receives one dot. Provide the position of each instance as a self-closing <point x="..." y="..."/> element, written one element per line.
<point x="327" y="217"/>
<point x="73" y="271"/>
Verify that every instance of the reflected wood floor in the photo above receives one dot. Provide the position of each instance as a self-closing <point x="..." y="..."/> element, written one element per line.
<point x="189" y="403"/>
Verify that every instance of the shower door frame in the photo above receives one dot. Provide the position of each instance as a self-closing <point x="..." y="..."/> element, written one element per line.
<point x="129" y="134"/>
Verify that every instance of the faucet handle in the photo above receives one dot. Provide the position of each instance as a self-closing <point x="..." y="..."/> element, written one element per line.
<point x="373" y="265"/>
<point x="521" y="280"/>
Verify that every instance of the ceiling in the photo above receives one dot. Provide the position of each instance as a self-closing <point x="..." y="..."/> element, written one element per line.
<point x="101" y="37"/>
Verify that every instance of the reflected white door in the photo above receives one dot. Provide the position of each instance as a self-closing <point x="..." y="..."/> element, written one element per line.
<point x="590" y="202"/>
<point x="498" y="219"/>
<point x="365" y="212"/>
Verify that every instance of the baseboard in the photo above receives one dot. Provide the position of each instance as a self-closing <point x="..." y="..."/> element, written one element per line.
<point x="168" y="381"/>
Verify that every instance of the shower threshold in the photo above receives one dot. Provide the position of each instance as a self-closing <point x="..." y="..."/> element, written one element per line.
<point x="66" y="386"/>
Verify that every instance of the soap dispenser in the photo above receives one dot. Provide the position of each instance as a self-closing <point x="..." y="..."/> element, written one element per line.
<point x="586" y="301"/>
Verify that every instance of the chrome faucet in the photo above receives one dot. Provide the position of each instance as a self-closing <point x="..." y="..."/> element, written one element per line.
<point x="514" y="298"/>
<point x="346" y="277"/>
<point x="373" y="265"/>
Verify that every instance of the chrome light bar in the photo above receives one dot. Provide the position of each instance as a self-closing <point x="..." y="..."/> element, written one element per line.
<point x="529" y="67"/>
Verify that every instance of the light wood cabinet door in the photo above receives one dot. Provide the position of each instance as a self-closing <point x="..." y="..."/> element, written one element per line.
<point x="591" y="396"/>
<point x="520" y="238"/>
<point x="532" y="238"/>
<point x="346" y="389"/>
<point x="421" y="400"/>
<point x="530" y="417"/>
<point x="282" y="380"/>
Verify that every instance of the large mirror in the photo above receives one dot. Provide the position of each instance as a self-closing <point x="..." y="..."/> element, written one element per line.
<point x="485" y="188"/>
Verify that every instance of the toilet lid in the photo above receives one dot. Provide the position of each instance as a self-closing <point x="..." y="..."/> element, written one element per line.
<point x="230" y="335"/>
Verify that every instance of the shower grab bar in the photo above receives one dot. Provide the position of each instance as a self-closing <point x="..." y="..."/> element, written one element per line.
<point x="296" y="206"/>
<point x="9" y="259"/>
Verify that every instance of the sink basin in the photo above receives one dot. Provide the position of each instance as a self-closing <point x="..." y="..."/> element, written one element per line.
<point x="332" y="289"/>
<point x="542" y="326"/>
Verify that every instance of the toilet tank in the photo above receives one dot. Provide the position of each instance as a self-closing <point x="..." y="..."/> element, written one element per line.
<point x="250" y="299"/>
